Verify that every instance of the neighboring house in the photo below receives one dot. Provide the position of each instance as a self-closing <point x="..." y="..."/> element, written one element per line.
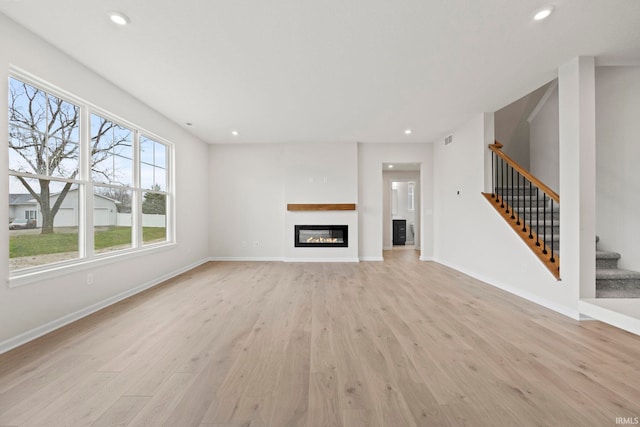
<point x="105" y="212"/>
<point x="22" y="206"/>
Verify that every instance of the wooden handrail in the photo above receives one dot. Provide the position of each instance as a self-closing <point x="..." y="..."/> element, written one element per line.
<point x="496" y="148"/>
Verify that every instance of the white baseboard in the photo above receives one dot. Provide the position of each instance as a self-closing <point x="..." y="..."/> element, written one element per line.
<point x="256" y="259"/>
<point x="321" y="260"/>
<point x="623" y="313"/>
<point x="371" y="258"/>
<point x="426" y="258"/>
<point x="278" y="259"/>
<point x="39" y="331"/>
<point x="551" y="305"/>
<point x="387" y="248"/>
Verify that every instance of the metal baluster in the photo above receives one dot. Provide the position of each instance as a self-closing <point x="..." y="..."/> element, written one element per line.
<point x="507" y="211"/>
<point x="502" y="179"/>
<point x="518" y="199"/>
<point x="512" y="195"/>
<point x="524" y="205"/>
<point x="537" y="219"/>
<point x="530" y="210"/>
<point x="552" y="259"/>
<point x="544" y="223"/>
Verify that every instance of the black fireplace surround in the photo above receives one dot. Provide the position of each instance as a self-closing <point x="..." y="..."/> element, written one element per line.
<point x="321" y="236"/>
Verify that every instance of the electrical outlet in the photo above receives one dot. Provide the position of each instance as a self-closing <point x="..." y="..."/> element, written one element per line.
<point x="90" y="279"/>
<point x="256" y="243"/>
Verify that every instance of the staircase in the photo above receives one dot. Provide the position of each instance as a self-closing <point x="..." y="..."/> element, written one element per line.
<point x="532" y="210"/>
<point x="611" y="281"/>
<point x="529" y="206"/>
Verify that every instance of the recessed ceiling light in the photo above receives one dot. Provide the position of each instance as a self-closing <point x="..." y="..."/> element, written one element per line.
<point x="234" y="132"/>
<point x="390" y="166"/>
<point x="119" y="18"/>
<point x="407" y="131"/>
<point x="543" y="13"/>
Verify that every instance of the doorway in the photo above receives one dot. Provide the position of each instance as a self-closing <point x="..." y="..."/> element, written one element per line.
<point x="401" y="206"/>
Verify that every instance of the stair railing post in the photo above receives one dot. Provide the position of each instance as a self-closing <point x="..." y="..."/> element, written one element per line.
<point x="496" y="172"/>
<point x="493" y="188"/>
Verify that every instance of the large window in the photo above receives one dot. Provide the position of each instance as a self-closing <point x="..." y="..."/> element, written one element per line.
<point x="112" y="177"/>
<point x="86" y="184"/>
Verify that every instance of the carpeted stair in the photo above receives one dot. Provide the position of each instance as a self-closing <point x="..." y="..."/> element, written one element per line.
<point x="611" y="281"/>
<point x="536" y="212"/>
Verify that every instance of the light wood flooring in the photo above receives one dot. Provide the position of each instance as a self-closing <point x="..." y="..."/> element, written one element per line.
<point x="393" y="343"/>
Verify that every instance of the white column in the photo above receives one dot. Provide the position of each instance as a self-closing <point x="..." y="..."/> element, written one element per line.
<point x="576" y="81"/>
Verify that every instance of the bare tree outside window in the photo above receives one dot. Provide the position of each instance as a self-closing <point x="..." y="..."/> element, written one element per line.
<point x="44" y="135"/>
<point x="120" y="202"/>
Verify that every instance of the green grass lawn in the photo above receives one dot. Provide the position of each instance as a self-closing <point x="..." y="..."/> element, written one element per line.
<point x="21" y="245"/>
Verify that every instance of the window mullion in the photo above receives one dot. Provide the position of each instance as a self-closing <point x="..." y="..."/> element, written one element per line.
<point x="136" y="202"/>
<point x="86" y="228"/>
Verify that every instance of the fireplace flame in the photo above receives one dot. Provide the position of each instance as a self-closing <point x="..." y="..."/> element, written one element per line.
<point x="322" y="240"/>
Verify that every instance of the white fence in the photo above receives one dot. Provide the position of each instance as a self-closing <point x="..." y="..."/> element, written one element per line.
<point x="148" y="220"/>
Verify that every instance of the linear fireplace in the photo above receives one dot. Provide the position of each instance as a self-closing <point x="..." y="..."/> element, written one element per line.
<point x="322" y="236"/>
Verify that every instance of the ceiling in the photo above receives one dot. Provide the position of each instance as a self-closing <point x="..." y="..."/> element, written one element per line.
<point x="330" y="70"/>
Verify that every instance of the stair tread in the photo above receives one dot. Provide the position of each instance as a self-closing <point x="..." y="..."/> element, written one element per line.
<point x="537" y="208"/>
<point x="556" y="237"/>
<point x="607" y="255"/>
<point x="547" y="222"/>
<point x="526" y="196"/>
<point x="616" y="274"/>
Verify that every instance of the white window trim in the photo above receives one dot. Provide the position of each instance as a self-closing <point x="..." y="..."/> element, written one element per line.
<point x="87" y="257"/>
<point x="63" y="268"/>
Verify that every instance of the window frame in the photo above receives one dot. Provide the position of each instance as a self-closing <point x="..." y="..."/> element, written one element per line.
<point x="411" y="193"/>
<point x="87" y="257"/>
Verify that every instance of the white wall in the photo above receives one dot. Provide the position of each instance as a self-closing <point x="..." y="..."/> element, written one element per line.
<point x="251" y="184"/>
<point x="576" y="105"/>
<point x="321" y="173"/>
<point x="32" y="309"/>
<point x="617" y="162"/>
<point x="544" y="141"/>
<point x="512" y="130"/>
<point x="247" y="204"/>
<point x="371" y="194"/>
<point x="469" y="234"/>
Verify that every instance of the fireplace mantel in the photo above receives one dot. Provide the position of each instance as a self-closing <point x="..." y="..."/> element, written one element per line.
<point x="322" y="207"/>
